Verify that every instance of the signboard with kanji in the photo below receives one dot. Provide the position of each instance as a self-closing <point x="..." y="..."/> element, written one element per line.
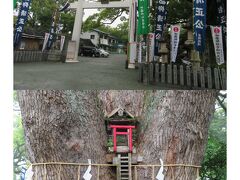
<point x="143" y="19"/>
<point x="161" y="15"/>
<point x="199" y="11"/>
<point x="22" y="18"/>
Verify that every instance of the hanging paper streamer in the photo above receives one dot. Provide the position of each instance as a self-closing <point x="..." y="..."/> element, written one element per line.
<point x="29" y="174"/>
<point x="143" y="20"/>
<point x="161" y="16"/>
<point x="221" y="17"/>
<point x="175" y="33"/>
<point x="218" y="44"/>
<point x="199" y="24"/>
<point x="87" y="175"/>
<point x="22" y="18"/>
<point x="160" y="175"/>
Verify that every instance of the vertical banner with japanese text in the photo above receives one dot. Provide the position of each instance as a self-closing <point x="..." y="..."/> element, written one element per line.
<point x="22" y="18"/>
<point x="221" y="17"/>
<point x="218" y="44"/>
<point x="151" y="46"/>
<point x="175" y="33"/>
<point x="199" y="11"/>
<point x="45" y="41"/>
<point x="143" y="19"/>
<point x="51" y="32"/>
<point x="161" y="14"/>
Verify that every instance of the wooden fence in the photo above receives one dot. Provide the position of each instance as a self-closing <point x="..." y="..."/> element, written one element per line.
<point x="38" y="56"/>
<point x="180" y="75"/>
<point x="155" y="168"/>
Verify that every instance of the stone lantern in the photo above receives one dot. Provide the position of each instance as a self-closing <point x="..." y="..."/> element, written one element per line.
<point x="194" y="55"/>
<point x="163" y="51"/>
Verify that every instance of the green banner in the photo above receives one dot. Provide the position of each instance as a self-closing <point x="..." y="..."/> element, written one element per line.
<point x="14" y="4"/>
<point x="143" y="20"/>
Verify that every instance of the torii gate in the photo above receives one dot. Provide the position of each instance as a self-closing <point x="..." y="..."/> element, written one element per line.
<point x="80" y="5"/>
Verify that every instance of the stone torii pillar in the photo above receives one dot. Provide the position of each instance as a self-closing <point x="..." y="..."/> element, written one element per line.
<point x="77" y="26"/>
<point x="80" y="5"/>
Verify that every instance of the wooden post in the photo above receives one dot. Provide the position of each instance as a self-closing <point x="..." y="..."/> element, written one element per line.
<point x="79" y="172"/>
<point x="98" y="172"/>
<point x="169" y="72"/>
<point x="216" y="78"/>
<point x="151" y="72"/>
<point x="202" y="77"/>
<point x="209" y="78"/>
<point x="130" y="166"/>
<point x="175" y="79"/>
<point x="223" y="73"/>
<point x="195" y="75"/>
<point x="156" y="72"/>
<point x="181" y="75"/>
<point x="140" y="72"/>
<point x="188" y="71"/>
<point x="153" y="172"/>
<point x="163" y="73"/>
<point x="135" y="172"/>
<point x="114" y="140"/>
<point x="130" y="139"/>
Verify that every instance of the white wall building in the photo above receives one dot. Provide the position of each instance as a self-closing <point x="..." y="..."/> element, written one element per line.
<point x="101" y="39"/>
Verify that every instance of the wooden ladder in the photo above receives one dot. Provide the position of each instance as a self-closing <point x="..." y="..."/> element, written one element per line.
<point x="125" y="166"/>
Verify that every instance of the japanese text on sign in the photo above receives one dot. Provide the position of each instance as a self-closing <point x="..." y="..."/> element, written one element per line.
<point x="199" y="24"/>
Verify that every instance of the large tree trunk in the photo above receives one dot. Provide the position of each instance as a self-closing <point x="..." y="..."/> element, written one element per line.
<point x="174" y="128"/>
<point x="68" y="126"/>
<point x="63" y="126"/>
<point x="130" y="100"/>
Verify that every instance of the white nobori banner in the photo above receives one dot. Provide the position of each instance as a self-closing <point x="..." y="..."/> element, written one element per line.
<point x="45" y="41"/>
<point x="175" y="34"/>
<point x="218" y="43"/>
<point x="62" y="42"/>
<point x="151" y="37"/>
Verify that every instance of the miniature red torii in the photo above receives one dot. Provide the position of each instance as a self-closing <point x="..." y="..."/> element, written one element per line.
<point x="115" y="133"/>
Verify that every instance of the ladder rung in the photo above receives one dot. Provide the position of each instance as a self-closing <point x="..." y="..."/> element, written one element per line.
<point x="124" y="165"/>
<point x="124" y="170"/>
<point x="124" y="157"/>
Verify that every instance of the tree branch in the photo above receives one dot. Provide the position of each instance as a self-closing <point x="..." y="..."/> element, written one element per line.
<point x="114" y="18"/>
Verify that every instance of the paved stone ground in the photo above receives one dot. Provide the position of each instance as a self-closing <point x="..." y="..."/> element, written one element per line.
<point x="88" y="73"/>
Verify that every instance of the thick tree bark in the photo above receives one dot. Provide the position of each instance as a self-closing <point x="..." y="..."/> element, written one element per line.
<point x="63" y="126"/>
<point x="68" y="126"/>
<point x="130" y="100"/>
<point x="175" y="128"/>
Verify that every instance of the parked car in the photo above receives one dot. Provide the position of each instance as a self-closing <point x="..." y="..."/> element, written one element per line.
<point x="88" y="51"/>
<point x="103" y="53"/>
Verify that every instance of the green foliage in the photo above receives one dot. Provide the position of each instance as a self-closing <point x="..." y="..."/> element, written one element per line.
<point x="110" y="142"/>
<point x="214" y="165"/>
<point x="104" y="18"/>
<point x="40" y="16"/>
<point x="19" y="153"/>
